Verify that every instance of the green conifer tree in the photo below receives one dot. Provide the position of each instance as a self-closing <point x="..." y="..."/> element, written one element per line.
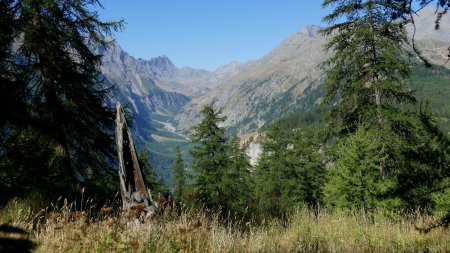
<point x="271" y="173"/>
<point x="290" y="172"/>
<point x="367" y="70"/>
<point x="354" y="180"/>
<point x="237" y="179"/>
<point x="307" y="159"/>
<point x="366" y="79"/>
<point x="58" y="122"/>
<point x="210" y="159"/>
<point x="155" y="184"/>
<point x="179" y="177"/>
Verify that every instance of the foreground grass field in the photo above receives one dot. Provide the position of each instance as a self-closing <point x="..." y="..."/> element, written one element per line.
<point x="72" y="228"/>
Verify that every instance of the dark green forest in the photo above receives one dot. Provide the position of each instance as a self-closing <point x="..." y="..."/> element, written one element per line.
<point x="428" y="83"/>
<point x="379" y="142"/>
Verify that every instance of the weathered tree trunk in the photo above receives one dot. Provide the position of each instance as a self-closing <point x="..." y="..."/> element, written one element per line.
<point x="136" y="197"/>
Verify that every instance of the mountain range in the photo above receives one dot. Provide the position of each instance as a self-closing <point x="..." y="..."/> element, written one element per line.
<point x="166" y="100"/>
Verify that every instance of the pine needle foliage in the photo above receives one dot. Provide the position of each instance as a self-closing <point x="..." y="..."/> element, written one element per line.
<point x="179" y="177"/>
<point x="290" y="172"/>
<point x="59" y="103"/>
<point x="367" y="70"/>
<point x="237" y="180"/>
<point x="210" y="159"/>
<point x="366" y="76"/>
<point x="152" y="180"/>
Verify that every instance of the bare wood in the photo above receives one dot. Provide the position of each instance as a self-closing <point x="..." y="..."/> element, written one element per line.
<point x="132" y="186"/>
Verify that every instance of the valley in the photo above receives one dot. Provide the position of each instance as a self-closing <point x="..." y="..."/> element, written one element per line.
<point x="330" y="137"/>
<point x="165" y="100"/>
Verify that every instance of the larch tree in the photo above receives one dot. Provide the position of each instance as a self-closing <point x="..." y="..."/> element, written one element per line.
<point x="366" y="79"/>
<point x="354" y="180"/>
<point x="237" y="180"/>
<point x="154" y="182"/>
<point x="179" y="177"/>
<point x="272" y="173"/>
<point x="367" y="70"/>
<point x="290" y="171"/>
<point x="210" y="159"/>
<point x="59" y="128"/>
<point x="307" y="159"/>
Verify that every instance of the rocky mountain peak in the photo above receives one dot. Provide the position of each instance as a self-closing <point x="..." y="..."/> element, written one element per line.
<point x="310" y="31"/>
<point x="162" y="62"/>
<point x="425" y="22"/>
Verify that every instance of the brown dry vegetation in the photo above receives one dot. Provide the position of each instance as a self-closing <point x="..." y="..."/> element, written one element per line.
<point x="67" y="229"/>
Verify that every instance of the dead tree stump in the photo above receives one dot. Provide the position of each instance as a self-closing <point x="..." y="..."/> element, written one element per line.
<point x="137" y="202"/>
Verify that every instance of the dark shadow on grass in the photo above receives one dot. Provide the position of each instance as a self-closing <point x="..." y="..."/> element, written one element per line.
<point x="13" y="239"/>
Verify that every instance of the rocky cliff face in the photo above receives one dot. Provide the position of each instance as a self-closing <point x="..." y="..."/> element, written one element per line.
<point x="155" y="90"/>
<point x="135" y="81"/>
<point x="157" y="82"/>
<point x="432" y="43"/>
<point x="194" y="82"/>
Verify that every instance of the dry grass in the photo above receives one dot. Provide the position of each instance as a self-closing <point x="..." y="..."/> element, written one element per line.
<point x="67" y="229"/>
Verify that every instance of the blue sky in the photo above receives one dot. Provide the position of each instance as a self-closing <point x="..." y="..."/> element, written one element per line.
<point x="208" y="33"/>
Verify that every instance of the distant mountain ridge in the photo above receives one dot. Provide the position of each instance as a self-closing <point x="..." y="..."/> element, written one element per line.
<point x="166" y="100"/>
<point x="283" y="81"/>
<point x="155" y="90"/>
<point x="288" y="79"/>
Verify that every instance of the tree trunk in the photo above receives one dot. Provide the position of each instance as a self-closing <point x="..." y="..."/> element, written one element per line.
<point x="136" y="197"/>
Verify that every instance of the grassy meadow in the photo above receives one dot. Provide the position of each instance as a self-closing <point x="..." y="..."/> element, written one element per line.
<point x="79" y="228"/>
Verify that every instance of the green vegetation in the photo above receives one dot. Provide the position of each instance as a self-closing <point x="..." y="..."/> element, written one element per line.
<point x="433" y="84"/>
<point x="371" y="176"/>
<point x="56" y="131"/>
<point x="222" y="176"/>
<point x="179" y="178"/>
<point x="354" y="178"/>
<point x="237" y="179"/>
<point x="209" y="158"/>
<point x="312" y="119"/>
<point x="290" y="171"/>
<point x="155" y="183"/>
<point x="386" y="150"/>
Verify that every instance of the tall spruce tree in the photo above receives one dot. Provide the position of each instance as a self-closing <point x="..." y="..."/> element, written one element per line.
<point x="366" y="76"/>
<point x="179" y="177"/>
<point x="58" y="129"/>
<point x="210" y="159"/>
